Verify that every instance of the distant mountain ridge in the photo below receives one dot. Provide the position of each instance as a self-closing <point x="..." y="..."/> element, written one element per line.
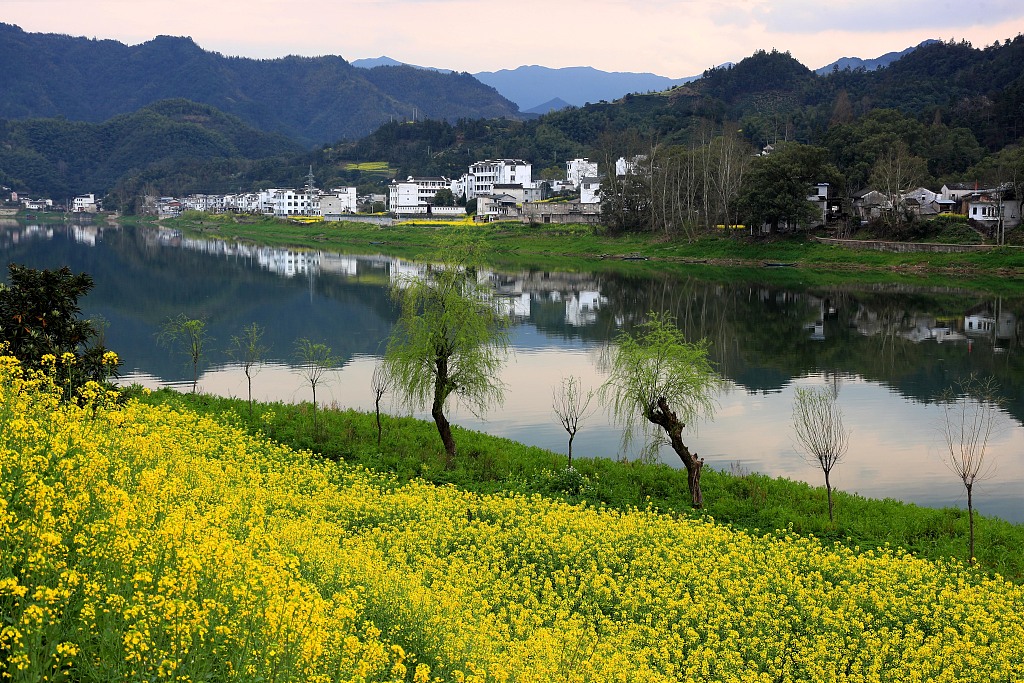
<point x="312" y="100"/>
<point x="540" y="89"/>
<point x="853" y="63"/>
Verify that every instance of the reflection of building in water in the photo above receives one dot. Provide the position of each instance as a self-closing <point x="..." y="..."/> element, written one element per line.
<point x="514" y="306"/>
<point x="817" y="328"/>
<point x="914" y="328"/>
<point x="339" y="265"/>
<point x="989" y="325"/>
<point x="289" y="263"/>
<point x="85" y="234"/>
<point x="581" y="308"/>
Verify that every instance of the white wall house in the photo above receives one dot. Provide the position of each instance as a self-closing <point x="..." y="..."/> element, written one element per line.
<point x="85" y="203"/>
<point x="484" y="175"/>
<point x="286" y="203"/>
<point x="413" y="195"/>
<point x="590" y="190"/>
<point x="626" y="166"/>
<point x="988" y="209"/>
<point x="578" y="169"/>
<point x="340" y="200"/>
<point x="957" y="191"/>
<point x="459" y="185"/>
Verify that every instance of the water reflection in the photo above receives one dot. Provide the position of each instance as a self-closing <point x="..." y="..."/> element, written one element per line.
<point x="889" y="349"/>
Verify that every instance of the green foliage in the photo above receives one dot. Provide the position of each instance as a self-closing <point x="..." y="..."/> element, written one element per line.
<point x="776" y="187"/>
<point x="40" y="318"/>
<point x="655" y="363"/>
<point x="449" y="340"/>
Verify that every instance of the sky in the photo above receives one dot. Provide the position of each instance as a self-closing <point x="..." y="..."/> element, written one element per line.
<point x="669" y="38"/>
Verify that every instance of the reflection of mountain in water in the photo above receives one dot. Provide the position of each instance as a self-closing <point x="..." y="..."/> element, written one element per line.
<point x="919" y="342"/>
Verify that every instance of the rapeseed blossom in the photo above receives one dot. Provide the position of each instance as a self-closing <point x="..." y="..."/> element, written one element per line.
<point x="139" y="542"/>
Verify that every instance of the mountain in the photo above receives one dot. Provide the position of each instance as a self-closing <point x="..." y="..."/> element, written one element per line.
<point x="528" y="86"/>
<point x="312" y="100"/>
<point x="853" y="63"/>
<point x="59" y="158"/>
<point x="549" y="106"/>
<point x="384" y="60"/>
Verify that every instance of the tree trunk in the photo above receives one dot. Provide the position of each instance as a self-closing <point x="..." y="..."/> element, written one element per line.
<point x="828" y="489"/>
<point x="444" y="429"/>
<point x="664" y="417"/>
<point x="572" y="435"/>
<point x="377" y="406"/>
<point x="970" y="525"/>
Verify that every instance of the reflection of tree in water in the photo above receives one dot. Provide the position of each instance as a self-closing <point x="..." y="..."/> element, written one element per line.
<point x="763" y="336"/>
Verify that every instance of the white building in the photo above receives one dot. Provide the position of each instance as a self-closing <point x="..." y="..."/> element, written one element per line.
<point x="85" y="203"/>
<point x="990" y="209"/>
<point x="484" y="175"/>
<point x="414" y="195"/>
<point x="339" y="201"/>
<point x="590" y="190"/>
<point x="578" y="169"/>
<point x="626" y="166"/>
<point x="284" y="203"/>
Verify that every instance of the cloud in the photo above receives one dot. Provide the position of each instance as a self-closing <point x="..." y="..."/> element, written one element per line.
<point x="879" y="16"/>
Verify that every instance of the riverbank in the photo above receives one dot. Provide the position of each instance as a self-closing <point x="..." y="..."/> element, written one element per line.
<point x="581" y="247"/>
<point x="410" y="450"/>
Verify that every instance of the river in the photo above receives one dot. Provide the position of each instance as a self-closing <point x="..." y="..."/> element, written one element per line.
<point x="889" y="350"/>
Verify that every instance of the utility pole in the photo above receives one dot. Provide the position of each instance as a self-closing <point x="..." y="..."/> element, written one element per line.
<point x="309" y="190"/>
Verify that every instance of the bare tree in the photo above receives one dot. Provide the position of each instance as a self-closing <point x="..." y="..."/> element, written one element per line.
<point x="315" y="359"/>
<point x="380" y="382"/>
<point x="249" y="351"/>
<point x="189" y="336"/>
<point x="820" y="433"/>
<point x="571" y="406"/>
<point x="970" y="416"/>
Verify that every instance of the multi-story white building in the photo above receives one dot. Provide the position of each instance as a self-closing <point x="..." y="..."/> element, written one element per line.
<point x="284" y="203"/>
<point x="413" y="195"/>
<point x="578" y="169"/>
<point x="340" y="200"/>
<point x="85" y="203"/>
<point x="484" y="175"/>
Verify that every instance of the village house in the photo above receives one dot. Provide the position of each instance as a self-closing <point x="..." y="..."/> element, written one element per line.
<point x="415" y="196"/>
<point x="590" y="190"/>
<point x="992" y="210"/>
<point x="85" y="203"/>
<point x="338" y="202"/>
<point x="578" y="169"/>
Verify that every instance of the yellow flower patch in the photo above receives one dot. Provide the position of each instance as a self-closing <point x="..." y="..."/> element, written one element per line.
<point x="142" y="543"/>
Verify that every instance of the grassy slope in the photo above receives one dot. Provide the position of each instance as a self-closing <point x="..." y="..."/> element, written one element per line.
<point x="411" y="449"/>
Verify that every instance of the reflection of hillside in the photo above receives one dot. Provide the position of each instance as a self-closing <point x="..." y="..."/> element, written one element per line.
<point x="142" y="280"/>
<point x="762" y="336"/>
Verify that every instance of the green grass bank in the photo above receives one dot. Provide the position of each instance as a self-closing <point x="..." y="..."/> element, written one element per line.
<point x="582" y="247"/>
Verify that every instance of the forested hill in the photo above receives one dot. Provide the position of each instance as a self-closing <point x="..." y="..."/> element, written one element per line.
<point x="311" y="100"/>
<point x="160" y="144"/>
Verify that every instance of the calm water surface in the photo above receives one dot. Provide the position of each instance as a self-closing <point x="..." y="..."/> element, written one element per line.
<point x="888" y="350"/>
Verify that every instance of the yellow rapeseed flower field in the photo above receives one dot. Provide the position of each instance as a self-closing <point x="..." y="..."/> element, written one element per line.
<point x="138" y="543"/>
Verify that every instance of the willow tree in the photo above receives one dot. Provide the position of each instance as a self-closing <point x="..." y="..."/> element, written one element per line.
<point x="449" y="340"/>
<point x="659" y="379"/>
